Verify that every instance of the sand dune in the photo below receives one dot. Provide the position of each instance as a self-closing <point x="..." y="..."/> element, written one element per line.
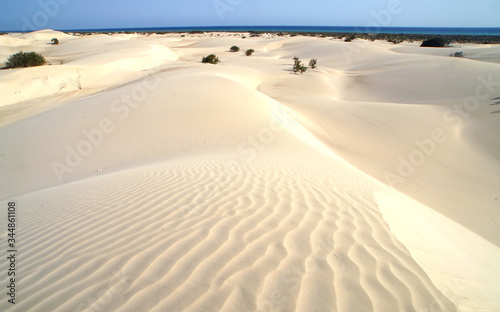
<point x="164" y="184"/>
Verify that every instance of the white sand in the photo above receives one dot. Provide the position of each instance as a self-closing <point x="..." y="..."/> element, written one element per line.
<point x="148" y="181"/>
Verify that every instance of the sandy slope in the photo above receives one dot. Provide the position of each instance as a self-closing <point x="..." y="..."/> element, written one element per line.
<point x="164" y="184"/>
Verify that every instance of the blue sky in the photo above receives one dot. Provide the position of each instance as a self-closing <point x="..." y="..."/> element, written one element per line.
<point x="88" y="14"/>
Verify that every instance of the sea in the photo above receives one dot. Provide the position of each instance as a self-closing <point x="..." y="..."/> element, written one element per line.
<point x="492" y="31"/>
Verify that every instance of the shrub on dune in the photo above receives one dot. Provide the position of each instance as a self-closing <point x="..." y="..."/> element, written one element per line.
<point x="234" y="49"/>
<point x="437" y="42"/>
<point x="55" y="41"/>
<point x="298" y="67"/>
<point x="313" y="63"/>
<point x="211" y="59"/>
<point x="249" y="52"/>
<point x="25" y="59"/>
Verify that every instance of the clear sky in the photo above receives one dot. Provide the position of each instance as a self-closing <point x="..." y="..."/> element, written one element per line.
<point x="88" y="14"/>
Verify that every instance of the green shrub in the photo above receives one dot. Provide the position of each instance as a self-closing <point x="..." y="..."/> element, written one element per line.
<point x="313" y="63"/>
<point x="25" y="59"/>
<point x="55" y="41"/>
<point x="347" y="40"/>
<point x="234" y="49"/>
<point x="437" y="42"/>
<point x="298" y="67"/>
<point x="458" y="54"/>
<point x="211" y="59"/>
<point x="249" y="52"/>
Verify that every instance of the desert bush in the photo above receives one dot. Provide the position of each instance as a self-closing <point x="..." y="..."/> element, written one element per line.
<point x="313" y="63"/>
<point x="298" y="67"/>
<point x="458" y="54"/>
<point x="249" y="52"/>
<point x="347" y="39"/>
<point x="437" y="42"/>
<point x="234" y="49"/>
<point x="55" y="41"/>
<point x="211" y="59"/>
<point x="25" y="59"/>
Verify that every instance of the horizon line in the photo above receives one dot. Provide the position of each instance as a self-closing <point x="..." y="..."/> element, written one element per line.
<point x="260" y="26"/>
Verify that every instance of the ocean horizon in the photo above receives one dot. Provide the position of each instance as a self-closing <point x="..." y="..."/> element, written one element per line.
<point x="471" y="31"/>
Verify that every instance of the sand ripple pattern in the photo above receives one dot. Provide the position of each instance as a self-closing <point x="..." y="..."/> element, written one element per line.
<point x="200" y="236"/>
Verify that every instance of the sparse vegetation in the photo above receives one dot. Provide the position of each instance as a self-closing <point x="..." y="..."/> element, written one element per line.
<point x="437" y="42"/>
<point x="249" y="52"/>
<point x="211" y="59"/>
<point x="25" y="59"/>
<point x="55" y="41"/>
<point x="298" y="67"/>
<point x="347" y="39"/>
<point x="74" y="82"/>
<point x="313" y="63"/>
<point x="234" y="49"/>
<point x="457" y="54"/>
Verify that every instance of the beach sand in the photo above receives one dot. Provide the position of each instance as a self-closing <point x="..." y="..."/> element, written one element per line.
<point x="145" y="180"/>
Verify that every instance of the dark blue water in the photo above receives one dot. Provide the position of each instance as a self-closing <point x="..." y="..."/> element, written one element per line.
<point x="319" y="29"/>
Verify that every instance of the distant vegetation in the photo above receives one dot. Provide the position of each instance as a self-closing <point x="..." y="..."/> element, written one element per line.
<point x="211" y="59"/>
<point x="249" y="52"/>
<point x="234" y="49"/>
<point x="458" y="54"/>
<point x="437" y="42"/>
<point x="297" y="66"/>
<point x="25" y="59"/>
<point x="313" y="63"/>
<point x="55" y="41"/>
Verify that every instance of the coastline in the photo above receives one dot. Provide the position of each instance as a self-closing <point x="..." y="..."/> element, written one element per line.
<point x="477" y="35"/>
<point x="391" y="37"/>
